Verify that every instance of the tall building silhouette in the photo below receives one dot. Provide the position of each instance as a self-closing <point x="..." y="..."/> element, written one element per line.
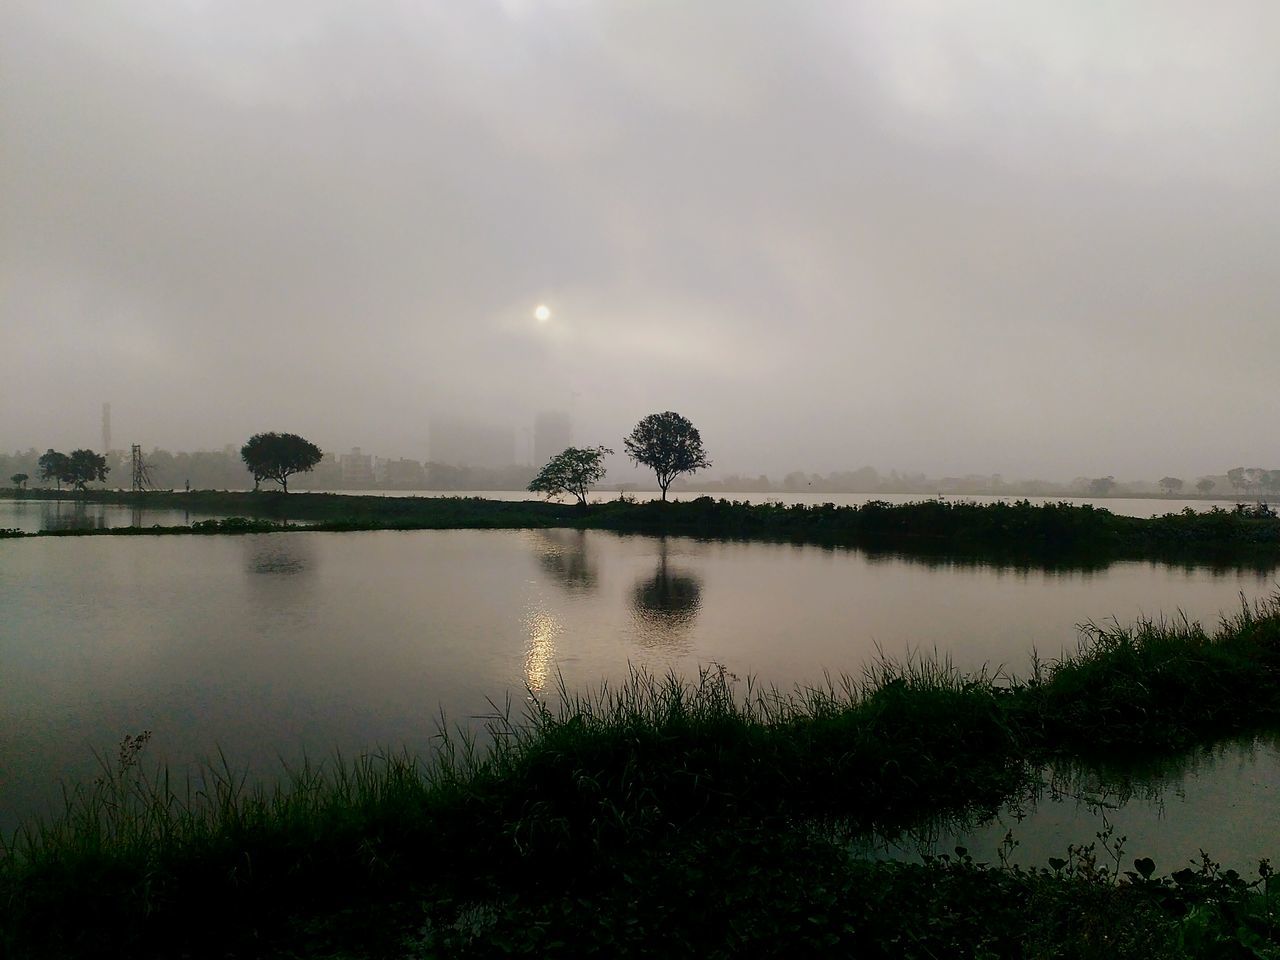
<point x="552" y="432"/>
<point x="106" y="429"/>
<point x="467" y="443"/>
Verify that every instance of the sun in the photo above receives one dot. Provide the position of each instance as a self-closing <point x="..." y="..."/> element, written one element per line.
<point x="542" y="313"/>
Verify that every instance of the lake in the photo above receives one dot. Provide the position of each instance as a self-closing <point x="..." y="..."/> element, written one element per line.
<point x="272" y="646"/>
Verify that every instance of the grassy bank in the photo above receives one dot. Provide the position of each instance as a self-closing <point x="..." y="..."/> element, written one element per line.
<point x="658" y="816"/>
<point x="1053" y="531"/>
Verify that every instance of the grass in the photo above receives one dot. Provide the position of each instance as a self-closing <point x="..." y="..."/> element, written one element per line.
<point x="614" y="821"/>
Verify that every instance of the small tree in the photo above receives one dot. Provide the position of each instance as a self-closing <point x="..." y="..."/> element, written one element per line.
<point x="20" y="480"/>
<point x="54" y="466"/>
<point x="1170" y="485"/>
<point x="1204" y="485"/>
<point x="278" y="456"/>
<point x="1236" y="477"/>
<point x="572" y="471"/>
<point x="667" y="444"/>
<point x="85" y="466"/>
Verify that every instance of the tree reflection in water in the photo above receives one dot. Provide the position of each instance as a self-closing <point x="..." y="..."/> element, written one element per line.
<point x="564" y="557"/>
<point x="665" y="605"/>
<point x="279" y="554"/>
<point x="71" y="515"/>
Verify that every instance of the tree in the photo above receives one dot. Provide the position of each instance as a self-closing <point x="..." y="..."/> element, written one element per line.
<point x="55" y="466"/>
<point x="667" y="444"/>
<point x="1271" y="481"/>
<point x="1204" y="485"/>
<point x="19" y="480"/>
<point x="278" y="456"/>
<point x="85" y="466"/>
<point x="1236" y="476"/>
<point x="572" y="471"/>
<point x="1102" y="486"/>
<point x="1170" y="485"/>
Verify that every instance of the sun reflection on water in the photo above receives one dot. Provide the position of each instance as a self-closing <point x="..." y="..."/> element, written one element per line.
<point x="540" y="649"/>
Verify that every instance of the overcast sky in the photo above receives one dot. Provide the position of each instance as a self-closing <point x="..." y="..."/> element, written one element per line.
<point x="1033" y="238"/>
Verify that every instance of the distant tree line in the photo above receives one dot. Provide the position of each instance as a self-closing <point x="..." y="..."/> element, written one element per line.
<point x="1254" y="480"/>
<point x="224" y="470"/>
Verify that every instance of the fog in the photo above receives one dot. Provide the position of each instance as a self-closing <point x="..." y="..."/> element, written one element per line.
<point x="1031" y="238"/>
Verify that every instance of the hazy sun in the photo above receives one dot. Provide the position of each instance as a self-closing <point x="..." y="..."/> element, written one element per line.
<point x="542" y="313"/>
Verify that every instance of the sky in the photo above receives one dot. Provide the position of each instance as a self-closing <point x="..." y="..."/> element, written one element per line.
<point x="1033" y="238"/>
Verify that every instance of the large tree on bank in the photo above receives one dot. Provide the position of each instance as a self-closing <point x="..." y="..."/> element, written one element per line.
<point x="54" y="466"/>
<point x="572" y="471"/>
<point x="667" y="444"/>
<point x="277" y="456"/>
<point x="85" y="466"/>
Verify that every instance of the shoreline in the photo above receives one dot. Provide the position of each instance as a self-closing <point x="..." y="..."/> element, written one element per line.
<point x="1052" y="532"/>
<point x="608" y="803"/>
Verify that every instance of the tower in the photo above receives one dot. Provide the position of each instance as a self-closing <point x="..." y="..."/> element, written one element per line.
<point x="141" y="474"/>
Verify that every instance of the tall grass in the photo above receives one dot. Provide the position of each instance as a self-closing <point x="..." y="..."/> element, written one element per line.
<point x="572" y="780"/>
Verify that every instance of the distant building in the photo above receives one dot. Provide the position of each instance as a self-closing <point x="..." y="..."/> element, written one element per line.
<point x="465" y="443"/>
<point x="401" y="474"/>
<point x="106" y="428"/>
<point x="356" y="469"/>
<point x="552" y="432"/>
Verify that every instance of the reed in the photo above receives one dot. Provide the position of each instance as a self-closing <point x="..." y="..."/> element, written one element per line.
<point x="577" y="785"/>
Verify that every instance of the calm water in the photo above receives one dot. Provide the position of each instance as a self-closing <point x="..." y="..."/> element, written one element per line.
<point x="1224" y="799"/>
<point x="31" y="516"/>
<point x="275" y="645"/>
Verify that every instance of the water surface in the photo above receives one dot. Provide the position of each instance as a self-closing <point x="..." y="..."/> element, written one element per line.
<point x="32" y="516"/>
<point x="273" y="646"/>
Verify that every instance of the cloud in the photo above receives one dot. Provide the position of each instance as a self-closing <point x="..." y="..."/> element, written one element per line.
<point x="889" y="233"/>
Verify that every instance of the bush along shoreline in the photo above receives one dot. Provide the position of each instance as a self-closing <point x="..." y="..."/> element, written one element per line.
<point x="661" y="816"/>
<point x="1051" y="531"/>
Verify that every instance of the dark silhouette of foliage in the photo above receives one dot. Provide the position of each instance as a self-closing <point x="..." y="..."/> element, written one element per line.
<point x="20" y="480"/>
<point x="572" y="471"/>
<point x="55" y="466"/>
<point x="85" y="466"/>
<point x="277" y="456"/>
<point x="667" y="444"/>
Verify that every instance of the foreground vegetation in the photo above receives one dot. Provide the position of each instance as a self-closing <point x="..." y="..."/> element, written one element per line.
<point x="1049" y="531"/>
<point x="665" y="817"/>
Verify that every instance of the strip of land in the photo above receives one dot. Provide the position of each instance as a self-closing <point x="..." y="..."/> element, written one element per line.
<point x="1051" y="532"/>
<point x="667" y="817"/>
